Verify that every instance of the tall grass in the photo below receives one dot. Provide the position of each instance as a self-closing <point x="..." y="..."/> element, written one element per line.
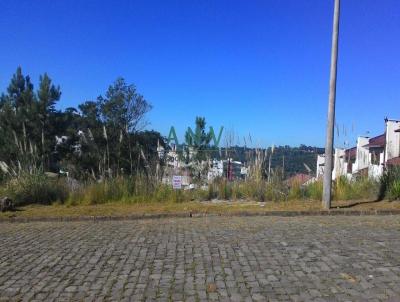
<point x="390" y="184"/>
<point x="361" y="188"/>
<point x="128" y="190"/>
<point x="255" y="190"/>
<point x="314" y="191"/>
<point x="133" y="190"/>
<point x="343" y="189"/>
<point x="38" y="188"/>
<point x="35" y="188"/>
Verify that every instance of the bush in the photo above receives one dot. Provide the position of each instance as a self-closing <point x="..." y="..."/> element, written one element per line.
<point x="389" y="184"/>
<point x="36" y="189"/>
<point x="394" y="191"/>
<point x="314" y="190"/>
<point x="41" y="189"/>
<point x="296" y="192"/>
<point x="131" y="190"/>
<point x="360" y="188"/>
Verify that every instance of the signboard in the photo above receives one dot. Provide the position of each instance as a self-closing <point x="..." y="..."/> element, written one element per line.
<point x="177" y="182"/>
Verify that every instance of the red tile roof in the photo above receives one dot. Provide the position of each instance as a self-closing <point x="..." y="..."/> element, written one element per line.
<point x="351" y="153"/>
<point x="299" y="178"/>
<point x="393" y="161"/>
<point x="377" y="141"/>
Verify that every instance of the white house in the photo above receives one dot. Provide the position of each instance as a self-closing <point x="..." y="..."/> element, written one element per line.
<point x="343" y="162"/>
<point x="376" y="153"/>
<point x="216" y="169"/>
<point x="392" y="147"/>
<point x="362" y="155"/>
<point x="369" y="157"/>
<point x="320" y="165"/>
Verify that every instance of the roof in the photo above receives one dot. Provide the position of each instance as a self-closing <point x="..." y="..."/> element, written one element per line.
<point x="393" y="161"/>
<point x="299" y="178"/>
<point x="377" y="141"/>
<point x="351" y="153"/>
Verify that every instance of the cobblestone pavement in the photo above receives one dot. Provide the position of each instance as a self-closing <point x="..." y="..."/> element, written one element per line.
<point x="200" y="259"/>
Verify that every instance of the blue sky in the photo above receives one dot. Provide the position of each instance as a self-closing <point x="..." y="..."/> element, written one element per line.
<point x="254" y="67"/>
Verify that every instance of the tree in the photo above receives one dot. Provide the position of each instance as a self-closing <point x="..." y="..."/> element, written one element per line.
<point x="198" y="140"/>
<point x="17" y="122"/>
<point x="197" y="145"/>
<point x="123" y="110"/>
<point x="29" y="122"/>
<point x="47" y="96"/>
<point x="91" y="113"/>
<point x="20" y="92"/>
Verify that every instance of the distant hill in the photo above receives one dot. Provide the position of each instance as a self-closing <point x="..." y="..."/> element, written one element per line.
<point x="294" y="158"/>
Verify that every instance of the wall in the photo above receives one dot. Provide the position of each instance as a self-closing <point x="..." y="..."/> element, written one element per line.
<point x="320" y="166"/>
<point x="340" y="166"/>
<point x="392" y="139"/>
<point x="362" y="155"/>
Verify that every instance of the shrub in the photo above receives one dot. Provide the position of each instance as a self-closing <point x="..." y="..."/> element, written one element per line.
<point x="365" y="188"/>
<point x="274" y="192"/>
<point x="296" y="192"/>
<point x="40" y="189"/>
<point x="394" y="191"/>
<point x="36" y="188"/>
<point x="359" y="188"/>
<point x="224" y="190"/>
<point x="314" y="190"/>
<point x="131" y="190"/>
<point x="389" y="183"/>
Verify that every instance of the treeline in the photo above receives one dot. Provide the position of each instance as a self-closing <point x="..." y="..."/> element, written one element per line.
<point x="291" y="160"/>
<point x="100" y="138"/>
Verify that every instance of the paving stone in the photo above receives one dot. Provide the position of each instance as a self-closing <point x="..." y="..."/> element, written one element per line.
<point x="330" y="258"/>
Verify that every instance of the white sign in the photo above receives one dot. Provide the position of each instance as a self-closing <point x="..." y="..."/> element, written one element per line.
<point x="177" y="182"/>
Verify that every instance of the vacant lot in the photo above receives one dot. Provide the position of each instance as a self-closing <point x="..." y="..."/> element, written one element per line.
<point x="199" y="259"/>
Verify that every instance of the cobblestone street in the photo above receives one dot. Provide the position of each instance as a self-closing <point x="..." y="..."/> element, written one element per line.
<point x="203" y="259"/>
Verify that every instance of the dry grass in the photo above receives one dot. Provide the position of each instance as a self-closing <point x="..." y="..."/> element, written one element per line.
<point x="223" y="207"/>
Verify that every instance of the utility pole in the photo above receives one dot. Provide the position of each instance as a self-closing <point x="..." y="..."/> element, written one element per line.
<point x="326" y="198"/>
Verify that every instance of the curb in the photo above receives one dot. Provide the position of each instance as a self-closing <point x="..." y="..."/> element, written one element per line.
<point x="332" y="212"/>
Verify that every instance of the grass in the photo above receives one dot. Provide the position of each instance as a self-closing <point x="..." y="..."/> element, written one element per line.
<point x="128" y="196"/>
<point x="394" y="191"/>
<point x="120" y="209"/>
<point x="35" y="189"/>
<point x="39" y="189"/>
<point x="361" y="188"/>
<point x="390" y="184"/>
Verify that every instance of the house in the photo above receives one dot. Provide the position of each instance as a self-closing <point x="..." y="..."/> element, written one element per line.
<point x="233" y="169"/>
<point x="344" y="160"/>
<point x="216" y="169"/>
<point x="369" y="158"/>
<point x="376" y="152"/>
<point x="173" y="158"/>
<point x="320" y="165"/>
<point x="361" y="162"/>
<point x="298" y="179"/>
<point x="392" y="146"/>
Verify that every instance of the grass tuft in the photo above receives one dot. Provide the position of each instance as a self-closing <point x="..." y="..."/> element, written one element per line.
<point x="36" y="188"/>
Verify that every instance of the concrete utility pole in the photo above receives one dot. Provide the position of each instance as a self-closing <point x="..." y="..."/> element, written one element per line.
<point x="326" y="198"/>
